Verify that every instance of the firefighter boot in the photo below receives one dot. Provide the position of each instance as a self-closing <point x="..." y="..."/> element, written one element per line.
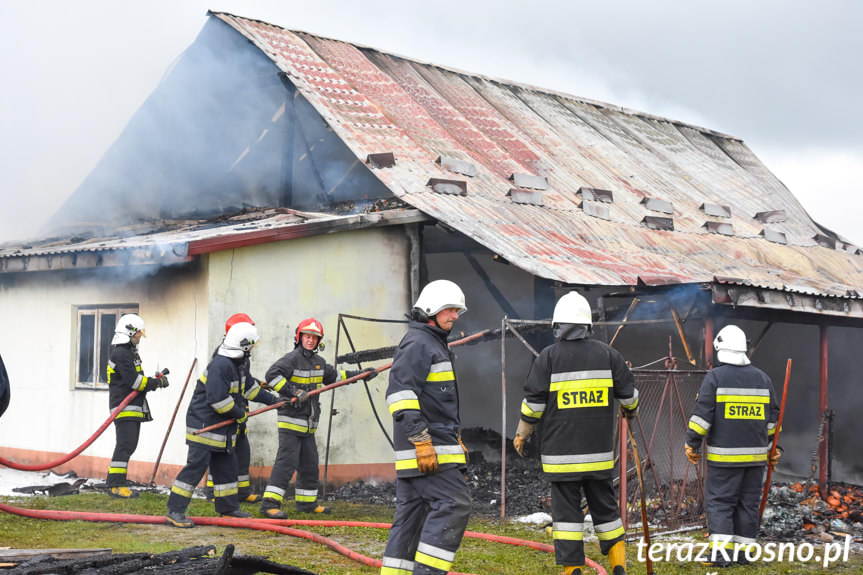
<point x="178" y="519"/>
<point x="122" y="492"/>
<point x="250" y="498"/>
<point x="238" y="513"/>
<point x="272" y="512"/>
<point x="617" y="558"/>
<point x="572" y="570"/>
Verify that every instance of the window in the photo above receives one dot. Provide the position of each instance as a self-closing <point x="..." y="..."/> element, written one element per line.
<point x="95" y="332"/>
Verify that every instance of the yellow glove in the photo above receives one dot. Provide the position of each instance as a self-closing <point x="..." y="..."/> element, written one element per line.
<point x="464" y="447"/>
<point x="521" y="434"/>
<point x="775" y="458"/>
<point x="692" y="455"/>
<point x="426" y="456"/>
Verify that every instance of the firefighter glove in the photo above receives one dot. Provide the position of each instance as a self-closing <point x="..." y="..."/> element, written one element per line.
<point x="521" y="434"/>
<point x="162" y="381"/>
<point x="692" y="455"/>
<point x="301" y="395"/>
<point x="464" y="448"/>
<point x="370" y="374"/>
<point x="426" y="456"/>
<point x="774" y="459"/>
<point x="629" y="414"/>
<point x="243" y="419"/>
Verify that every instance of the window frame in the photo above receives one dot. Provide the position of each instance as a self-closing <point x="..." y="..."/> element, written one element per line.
<point x="96" y="311"/>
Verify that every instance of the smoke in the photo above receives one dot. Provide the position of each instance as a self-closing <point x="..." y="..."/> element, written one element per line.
<point x="221" y="133"/>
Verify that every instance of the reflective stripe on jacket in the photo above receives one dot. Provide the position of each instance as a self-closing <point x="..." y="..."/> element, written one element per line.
<point x="423" y="394"/>
<point x="125" y="375"/>
<point x="217" y="397"/>
<point x="303" y="370"/>
<point x="736" y="412"/>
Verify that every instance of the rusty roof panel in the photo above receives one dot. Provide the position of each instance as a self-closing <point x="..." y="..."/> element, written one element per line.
<point x="421" y="112"/>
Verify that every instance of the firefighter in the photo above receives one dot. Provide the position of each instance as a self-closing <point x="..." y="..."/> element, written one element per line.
<point x="432" y="497"/>
<point x="292" y="376"/>
<point x="217" y="398"/>
<point x="736" y="411"/>
<point x="125" y="374"/>
<point x="253" y="391"/>
<point x="571" y="388"/>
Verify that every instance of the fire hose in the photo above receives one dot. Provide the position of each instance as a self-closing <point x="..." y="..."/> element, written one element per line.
<point x="82" y="447"/>
<point x="274" y="525"/>
<point x="333" y="385"/>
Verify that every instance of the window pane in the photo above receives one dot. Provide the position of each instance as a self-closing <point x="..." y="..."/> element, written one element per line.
<point x="106" y="334"/>
<point x="86" y="350"/>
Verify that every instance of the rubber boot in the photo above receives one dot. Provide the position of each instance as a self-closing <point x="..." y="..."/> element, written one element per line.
<point x="572" y="569"/>
<point x="617" y="558"/>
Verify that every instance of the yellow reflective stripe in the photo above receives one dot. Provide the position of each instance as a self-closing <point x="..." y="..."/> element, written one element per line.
<point x="577" y="467"/>
<point x="744" y="458"/>
<point x="205" y="440"/>
<point x="394" y="571"/>
<point x="307" y="380"/>
<point x="180" y="491"/>
<point x="432" y="561"/>
<point x="442" y="459"/>
<point x="571" y="384"/>
<point x="117" y="470"/>
<point x="697" y="428"/>
<point x="742" y="399"/>
<point x="295" y="427"/>
<point x="441" y="376"/>
<point x="271" y="495"/>
<point x="404" y="404"/>
<point x="568" y="535"/>
<point x="606" y="535"/>
<point x="125" y="414"/>
<point x="279" y="385"/>
<point x="526" y="410"/>
<point x="311" y="498"/>
<point x="203" y="378"/>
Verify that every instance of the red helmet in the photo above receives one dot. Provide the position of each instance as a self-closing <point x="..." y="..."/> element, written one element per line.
<point x="309" y="325"/>
<point x="237" y="318"/>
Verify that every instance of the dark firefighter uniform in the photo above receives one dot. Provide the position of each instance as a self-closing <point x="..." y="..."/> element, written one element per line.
<point x="736" y="411"/>
<point x="432" y="510"/>
<point x="124" y="376"/>
<point x="299" y="370"/>
<point x="571" y="387"/>
<point x="251" y="391"/>
<point x="217" y="397"/>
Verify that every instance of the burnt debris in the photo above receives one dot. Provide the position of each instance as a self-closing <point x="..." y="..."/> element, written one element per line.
<point x="199" y="560"/>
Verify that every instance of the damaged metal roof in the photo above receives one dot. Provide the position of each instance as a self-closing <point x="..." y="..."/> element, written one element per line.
<point x="177" y="242"/>
<point x="687" y="204"/>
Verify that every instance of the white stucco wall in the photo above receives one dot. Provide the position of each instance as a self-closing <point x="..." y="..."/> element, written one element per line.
<point x="361" y="273"/>
<point x="37" y="342"/>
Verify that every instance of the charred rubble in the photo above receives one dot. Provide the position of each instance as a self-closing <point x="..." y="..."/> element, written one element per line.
<point x="199" y="560"/>
<point x="795" y="511"/>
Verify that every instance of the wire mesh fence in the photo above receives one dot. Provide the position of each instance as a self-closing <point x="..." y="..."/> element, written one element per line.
<point x="672" y="485"/>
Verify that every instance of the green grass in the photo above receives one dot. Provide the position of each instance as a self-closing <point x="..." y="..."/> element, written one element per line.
<point x="474" y="556"/>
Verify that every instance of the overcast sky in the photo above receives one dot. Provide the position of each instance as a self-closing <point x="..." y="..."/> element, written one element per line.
<point x="783" y="75"/>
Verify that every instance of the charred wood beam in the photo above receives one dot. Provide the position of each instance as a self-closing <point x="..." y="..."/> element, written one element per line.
<point x="498" y="296"/>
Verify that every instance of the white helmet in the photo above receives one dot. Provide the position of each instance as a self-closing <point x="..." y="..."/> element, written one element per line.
<point x="730" y="346"/>
<point x="127" y="326"/>
<point x="572" y="308"/>
<point x="239" y="340"/>
<point x="440" y="295"/>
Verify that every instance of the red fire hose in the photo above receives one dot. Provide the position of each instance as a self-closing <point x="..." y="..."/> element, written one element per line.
<point x="275" y="525"/>
<point x="82" y="447"/>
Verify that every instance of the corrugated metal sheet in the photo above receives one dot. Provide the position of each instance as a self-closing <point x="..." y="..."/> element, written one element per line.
<point x="178" y="241"/>
<point x="377" y="102"/>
